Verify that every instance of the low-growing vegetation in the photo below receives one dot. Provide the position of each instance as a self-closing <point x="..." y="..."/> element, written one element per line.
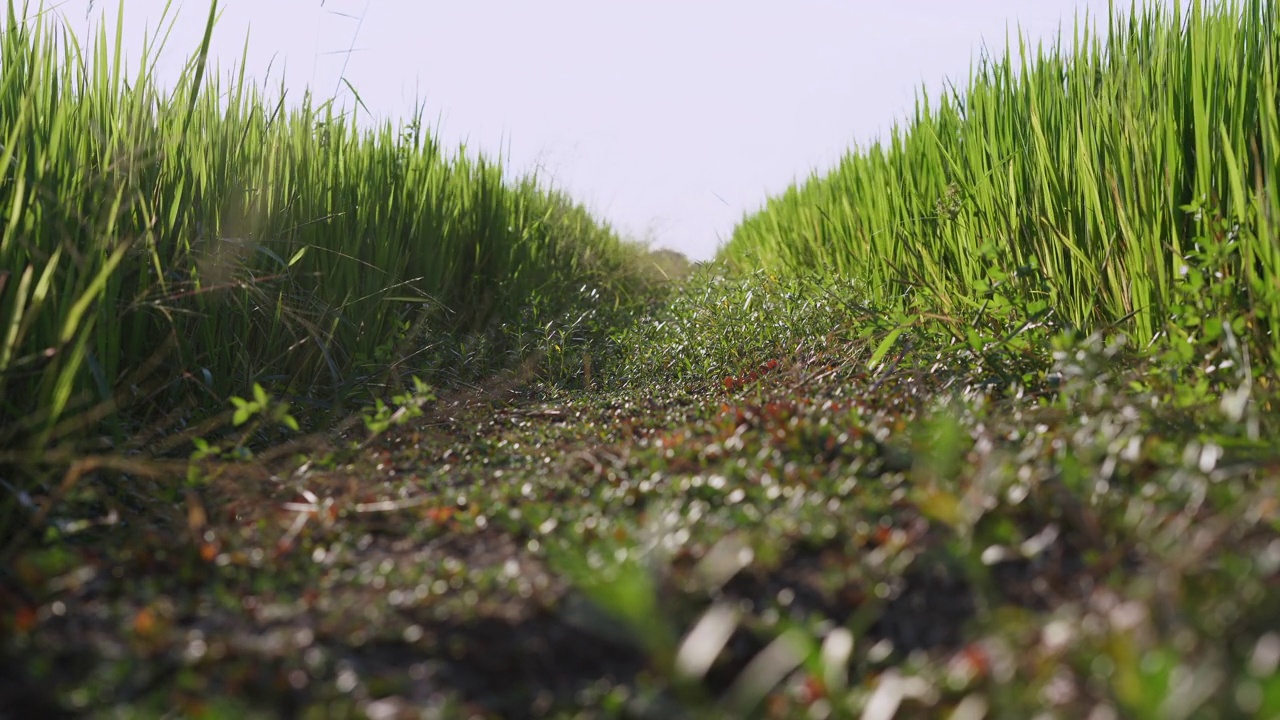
<point x="981" y="425"/>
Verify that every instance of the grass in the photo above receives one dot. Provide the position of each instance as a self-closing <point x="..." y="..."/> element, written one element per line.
<point x="1015" y="460"/>
<point x="164" y="250"/>
<point x="1096" y="179"/>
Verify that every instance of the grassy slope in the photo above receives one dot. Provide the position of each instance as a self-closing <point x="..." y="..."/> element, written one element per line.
<point x="786" y="496"/>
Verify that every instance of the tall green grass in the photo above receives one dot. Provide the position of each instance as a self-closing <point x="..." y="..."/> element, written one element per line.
<point x="1129" y="178"/>
<point x="160" y="246"/>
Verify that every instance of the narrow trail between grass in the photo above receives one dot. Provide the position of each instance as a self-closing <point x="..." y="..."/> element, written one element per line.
<point x="524" y="553"/>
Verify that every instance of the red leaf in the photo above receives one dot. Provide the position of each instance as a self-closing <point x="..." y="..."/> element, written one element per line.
<point x="25" y="619"/>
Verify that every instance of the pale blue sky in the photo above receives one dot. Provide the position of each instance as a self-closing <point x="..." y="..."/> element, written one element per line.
<point x="669" y="118"/>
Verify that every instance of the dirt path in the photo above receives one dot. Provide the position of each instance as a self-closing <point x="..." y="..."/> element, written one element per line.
<point x="478" y="561"/>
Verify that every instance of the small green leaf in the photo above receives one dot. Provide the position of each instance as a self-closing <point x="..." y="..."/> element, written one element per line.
<point x="1212" y="329"/>
<point x="977" y="342"/>
<point x="885" y="346"/>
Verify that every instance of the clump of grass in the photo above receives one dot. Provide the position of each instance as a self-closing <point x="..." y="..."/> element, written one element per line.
<point x="1101" y="179"/>
<point x="169" y="249"/>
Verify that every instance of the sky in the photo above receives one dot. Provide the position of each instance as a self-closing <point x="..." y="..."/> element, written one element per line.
<point x="670" y="119"/>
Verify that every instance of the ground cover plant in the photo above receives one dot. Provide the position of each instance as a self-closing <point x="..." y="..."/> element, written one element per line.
<point x="989" y="534"/>
<point x="894" y="489"/>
